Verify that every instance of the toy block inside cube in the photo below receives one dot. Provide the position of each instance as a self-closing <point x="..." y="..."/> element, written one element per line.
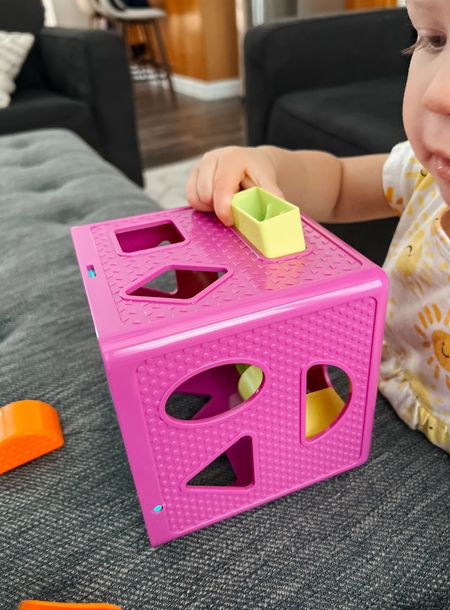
<point x="323" y="406"/>
<point x="271" y="224"/>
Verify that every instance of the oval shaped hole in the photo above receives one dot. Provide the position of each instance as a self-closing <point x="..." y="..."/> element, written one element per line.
<point x="328" y="392"/>
<point x="214" y="391"/>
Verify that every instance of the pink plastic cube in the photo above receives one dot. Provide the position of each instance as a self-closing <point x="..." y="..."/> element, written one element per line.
<point x="186" y="343"/>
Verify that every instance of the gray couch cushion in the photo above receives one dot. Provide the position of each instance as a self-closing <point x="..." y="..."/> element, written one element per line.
<point x="34" y="108"/>
<point x="71" y="527"/>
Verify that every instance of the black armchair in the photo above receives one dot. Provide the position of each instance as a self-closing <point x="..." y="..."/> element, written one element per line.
<point x="331" y="83"/>
<point x="73" y="79"/>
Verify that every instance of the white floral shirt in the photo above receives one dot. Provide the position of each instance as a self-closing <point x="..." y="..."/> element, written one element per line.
<point x="415" y="367"/>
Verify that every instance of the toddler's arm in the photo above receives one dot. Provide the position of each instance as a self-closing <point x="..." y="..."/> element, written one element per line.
<point x="325" y="187"/>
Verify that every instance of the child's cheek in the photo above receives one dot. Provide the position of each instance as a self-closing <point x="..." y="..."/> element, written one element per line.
<point x="413" y="112"/>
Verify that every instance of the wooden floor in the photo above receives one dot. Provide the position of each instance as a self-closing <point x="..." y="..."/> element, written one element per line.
<point x="169" y="133"/>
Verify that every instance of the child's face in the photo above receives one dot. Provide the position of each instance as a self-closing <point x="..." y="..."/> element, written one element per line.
<point x="426" y="106"/>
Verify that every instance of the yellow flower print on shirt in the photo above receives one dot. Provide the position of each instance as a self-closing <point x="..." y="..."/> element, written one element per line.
<point x="395" y="203"/>
<point x="415" y="363"/>
<point x="411" y="382"/>
<point x="422" y="178"/>
<point x="440" y="240"/>
<point x="432" y="328"/>
<point x="435" y="225"/>
<point x="411" y="265"/>
<point x="412" y="269"/>
<point x="418" y="387"/>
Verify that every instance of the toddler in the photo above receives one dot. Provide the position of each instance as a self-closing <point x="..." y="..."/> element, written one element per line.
<point x="413" y="181"/>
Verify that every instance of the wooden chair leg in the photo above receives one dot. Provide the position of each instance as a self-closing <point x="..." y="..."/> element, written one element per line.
<point x="164" y="57"/>
<point x="125" y="36"/>
<point x="152" y="59"/>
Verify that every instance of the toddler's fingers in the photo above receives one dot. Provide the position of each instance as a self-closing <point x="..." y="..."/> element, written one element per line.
<point x="227" y="182"/>
<point x="191" y="187"/>
<point x="247" y="183"/>
<point x="192" y="195"/>
<point x="205" y="179"/>
<point x="256" y="178"/>
<point x="273" y="188"/>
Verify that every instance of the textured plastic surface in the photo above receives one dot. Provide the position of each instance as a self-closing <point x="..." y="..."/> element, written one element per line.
<point x="324" y="306"/>
<point x="28" y="429"/>
<point x="322" y="406"/>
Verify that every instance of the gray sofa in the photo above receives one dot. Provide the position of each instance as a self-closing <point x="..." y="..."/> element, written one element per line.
<point x="73" y="79"/>
<point x="71" y="528"/>
<point x="332" y="83"/>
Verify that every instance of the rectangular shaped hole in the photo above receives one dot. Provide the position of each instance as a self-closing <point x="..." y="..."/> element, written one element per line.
<point x="91" y="271"/>
<point x="145" y="238"/>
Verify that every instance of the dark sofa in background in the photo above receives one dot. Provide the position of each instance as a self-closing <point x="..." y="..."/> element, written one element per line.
<point x="331" y="83"/>
<point x="73" y="79"/>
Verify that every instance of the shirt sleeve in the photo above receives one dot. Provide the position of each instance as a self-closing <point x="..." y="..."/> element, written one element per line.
<point x="401" y="174"/>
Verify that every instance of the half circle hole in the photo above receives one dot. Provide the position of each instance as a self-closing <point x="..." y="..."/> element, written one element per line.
<point x="327" y="396"/>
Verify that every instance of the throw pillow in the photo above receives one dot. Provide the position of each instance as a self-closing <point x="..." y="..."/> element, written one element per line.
<point x="14" y="48"/>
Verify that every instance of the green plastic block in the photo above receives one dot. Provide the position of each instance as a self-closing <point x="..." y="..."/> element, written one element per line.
<point x="271" y="224"/>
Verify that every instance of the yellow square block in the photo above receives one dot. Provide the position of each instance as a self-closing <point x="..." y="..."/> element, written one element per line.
<point x="271" y="224"/>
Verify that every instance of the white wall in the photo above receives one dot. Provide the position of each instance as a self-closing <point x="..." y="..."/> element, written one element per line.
<point x="50" y="17"/>
<point x="315" y="7"/>
<point x="67" y="14"/>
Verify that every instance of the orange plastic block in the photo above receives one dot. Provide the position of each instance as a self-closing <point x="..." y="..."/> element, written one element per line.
<point x="33" y="604"/>
<point x="28" y="429"/>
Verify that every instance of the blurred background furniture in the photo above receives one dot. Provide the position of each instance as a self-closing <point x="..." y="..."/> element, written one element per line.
<point x="331" y="83"/>
<point x="73" y="79"/>
<point x="87" y="7"/>
<point x="146" y="21"/>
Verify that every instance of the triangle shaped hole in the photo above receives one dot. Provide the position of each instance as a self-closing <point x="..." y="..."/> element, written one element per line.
<point x="233" y="468"/>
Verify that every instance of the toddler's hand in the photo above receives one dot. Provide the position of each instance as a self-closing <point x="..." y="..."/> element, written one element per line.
<point x="223" y="172"/>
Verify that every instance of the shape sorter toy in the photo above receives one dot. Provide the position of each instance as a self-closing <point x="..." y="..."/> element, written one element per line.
<point x="215" y="352"/>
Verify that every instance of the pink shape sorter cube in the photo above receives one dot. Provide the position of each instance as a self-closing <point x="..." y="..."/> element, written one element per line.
<point x="182" y="306"/>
